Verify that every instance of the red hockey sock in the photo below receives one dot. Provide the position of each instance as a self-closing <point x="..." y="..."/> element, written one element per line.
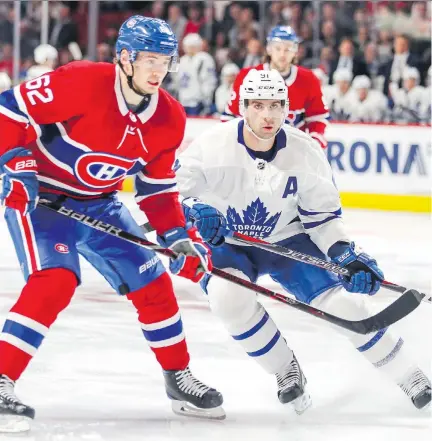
<point x="161" y="323"/>
<point x="44" y="296"/>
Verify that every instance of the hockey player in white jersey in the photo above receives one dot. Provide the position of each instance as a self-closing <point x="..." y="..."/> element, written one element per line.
<point x="257" y="176"/>
<point x="425" y="112"/>
<point x="409" y="99"/>
<point x="5" y="82"/>
<point x="365" y="104"/>
<point x="196" y="77"/>
<point x="338" y="94"/>
<point x="223" y="92"/>
<point x="46" y="57"/>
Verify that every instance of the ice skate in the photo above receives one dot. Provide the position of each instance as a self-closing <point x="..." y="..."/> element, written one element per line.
<point x="418" y="388"/>
<point x="292" y="387"/>
<point x="14" y="415"/>
<point x="190" y="397"/>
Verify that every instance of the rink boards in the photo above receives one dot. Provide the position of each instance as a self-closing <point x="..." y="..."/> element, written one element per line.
<point x="376" y="166"/>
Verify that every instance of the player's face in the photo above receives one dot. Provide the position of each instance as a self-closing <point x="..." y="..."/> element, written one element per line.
<point x="149" y="71"/>
<point x="265" y="117"/>
<point x="282" y="54"/>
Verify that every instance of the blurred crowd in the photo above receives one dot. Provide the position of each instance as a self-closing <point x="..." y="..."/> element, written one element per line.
<point x="358" y="49"/>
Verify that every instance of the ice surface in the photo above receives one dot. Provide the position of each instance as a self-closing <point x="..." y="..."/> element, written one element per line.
<point x="95" y="379"/>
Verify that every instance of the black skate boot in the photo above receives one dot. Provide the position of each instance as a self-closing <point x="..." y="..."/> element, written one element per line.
<point x="190" y="397"/>
<point x="292" y="387"/>
<point x="14" y="415"/>
<point x="418" y="388"/>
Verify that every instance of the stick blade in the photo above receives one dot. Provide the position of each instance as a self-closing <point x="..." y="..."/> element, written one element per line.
<point x="400" y="308"/>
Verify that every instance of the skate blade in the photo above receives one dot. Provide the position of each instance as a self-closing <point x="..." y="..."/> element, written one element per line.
<point x="14" y="424"/>
<point x="302" y="403"/>
<point x="186" y="409"/>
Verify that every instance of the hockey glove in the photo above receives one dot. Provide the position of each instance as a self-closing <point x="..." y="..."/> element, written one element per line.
<point x="18" y="170"/>
<point x="366" y="277"/>
<point x="193" y="260"/>
<point x="211" y="223"/>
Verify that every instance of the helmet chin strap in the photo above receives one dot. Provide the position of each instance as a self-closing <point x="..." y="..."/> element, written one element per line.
<point x="130" y="81"/>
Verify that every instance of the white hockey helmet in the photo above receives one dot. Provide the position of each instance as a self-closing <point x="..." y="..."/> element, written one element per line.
<point x="411" y="73"/>
<point x="5" y="81"/>
<point x="192" y="40"/>
<point x="263" y="85"/>
<point x="230" y="69"/>
<point x="342" y="74"/>
<point x="45" y="52"/>
<point x="361" y="82"/>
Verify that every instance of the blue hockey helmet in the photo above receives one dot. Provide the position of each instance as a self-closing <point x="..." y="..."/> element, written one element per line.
<point x="283" y="33"/>
<point x="145" y="34"/>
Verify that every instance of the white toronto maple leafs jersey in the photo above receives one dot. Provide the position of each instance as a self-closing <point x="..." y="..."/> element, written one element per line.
<point x="291" y="193"/>
<point x="196" y="79"/>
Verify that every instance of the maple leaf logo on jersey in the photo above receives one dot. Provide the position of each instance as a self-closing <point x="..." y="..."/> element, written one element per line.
<point x="255" y="222"/>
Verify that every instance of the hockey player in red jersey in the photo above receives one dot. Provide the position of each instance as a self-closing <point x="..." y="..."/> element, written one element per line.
<point x="307" y="109"/>
<point x="72" y="136"/>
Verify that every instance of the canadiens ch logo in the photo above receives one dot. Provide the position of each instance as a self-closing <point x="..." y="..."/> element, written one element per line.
<point x="101" y="170"/>
<point x="255" y="222"/>
<point x="61" y="248"/>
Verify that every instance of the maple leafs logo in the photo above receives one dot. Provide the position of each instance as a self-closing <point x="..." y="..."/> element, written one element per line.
<point x="255" y="220"/>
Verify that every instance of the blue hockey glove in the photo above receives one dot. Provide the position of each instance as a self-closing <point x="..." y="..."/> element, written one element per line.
<point x="211" y="223"/>
<point x="20" y="188"/>
<point x="193" y="261"/>
<point x="366" y="277"/>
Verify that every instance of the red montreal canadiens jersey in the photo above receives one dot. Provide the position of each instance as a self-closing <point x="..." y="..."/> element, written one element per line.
<point x="307" y="110"/>
<point x="86" y="141"/>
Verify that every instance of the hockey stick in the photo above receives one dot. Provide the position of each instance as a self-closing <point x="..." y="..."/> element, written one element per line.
<point x="305" y="258"/>
<point x="393" y="313"/>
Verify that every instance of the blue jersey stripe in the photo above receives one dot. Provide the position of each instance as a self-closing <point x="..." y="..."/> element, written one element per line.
<point x="376" y="338"/>
<point x="146" y="189"/>
<point x="309" y="225"/>
<point x="312" y="213"/>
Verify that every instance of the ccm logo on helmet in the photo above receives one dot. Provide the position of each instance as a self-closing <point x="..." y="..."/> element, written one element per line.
<point x="100" y="170"/>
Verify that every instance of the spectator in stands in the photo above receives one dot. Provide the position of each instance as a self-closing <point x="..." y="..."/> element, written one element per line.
<point x="6" y="27"/>
<point x="5" y="82"/>
<point x="104" y="53"/>
<point x="362" y="38"/>
<point x="6" y="59"/>
<point x="326" y="57"/>
<point x="64" y="30"/>
<point x="373" y="66"/>
<point x="221" y="50"/>
<point x="393" y="69"/>
<point x="176" y="20"/>
<point x="111" y="35"/>
<point x="409" y="100"/>
<point x="364" y="104"/>
<point x="384" y="46"/>
<point x="157" y="9"/>
<point x="254" y="53"/>
<point x="337" y="96"/>
<point x="223" y="92"/>
<point x="312" y="47"/>
<point x="195" y="20"/>
<point x="348" y="60"/>
<point x="274" y="15"/>
<point x="328" y="34"/>
<point x="339" y="16"/>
